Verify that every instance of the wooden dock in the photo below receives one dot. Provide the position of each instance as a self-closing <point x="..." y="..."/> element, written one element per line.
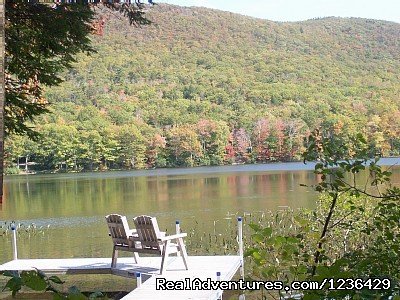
<point x="202" y="267"/>
<point x="199" y="267"/>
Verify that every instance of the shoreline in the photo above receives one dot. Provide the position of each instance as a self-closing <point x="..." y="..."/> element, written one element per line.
<point x="231" y="168"/>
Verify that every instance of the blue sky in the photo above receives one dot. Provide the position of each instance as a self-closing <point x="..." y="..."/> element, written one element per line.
<point x="298" y="10"/>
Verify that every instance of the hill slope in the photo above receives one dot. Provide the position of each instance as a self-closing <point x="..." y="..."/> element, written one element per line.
<point x="202" y="86"/>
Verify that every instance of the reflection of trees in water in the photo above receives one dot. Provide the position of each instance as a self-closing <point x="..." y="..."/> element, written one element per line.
<point x="190" y="198"/>
<point x="71" y="196"/>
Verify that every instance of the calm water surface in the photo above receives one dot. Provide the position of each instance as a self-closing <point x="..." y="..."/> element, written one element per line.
<point x="74" y="205"/>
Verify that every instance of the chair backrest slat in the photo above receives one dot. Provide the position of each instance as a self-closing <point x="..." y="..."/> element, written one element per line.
<point x="148" y="232"/>
<point x="119" y="228"/>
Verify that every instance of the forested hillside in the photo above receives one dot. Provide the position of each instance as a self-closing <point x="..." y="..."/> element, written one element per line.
<point x="206" y="87"/>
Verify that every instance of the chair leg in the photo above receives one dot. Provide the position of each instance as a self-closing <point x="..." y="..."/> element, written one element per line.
<point x="182" y="250"/>
<point x="164" y="256"/>
<point x="114" y="258"/>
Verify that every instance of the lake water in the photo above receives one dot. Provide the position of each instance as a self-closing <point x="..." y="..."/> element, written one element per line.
<point x="73" y="206"/>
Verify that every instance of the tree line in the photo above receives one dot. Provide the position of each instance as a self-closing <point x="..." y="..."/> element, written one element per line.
<point x="66" y="147"/>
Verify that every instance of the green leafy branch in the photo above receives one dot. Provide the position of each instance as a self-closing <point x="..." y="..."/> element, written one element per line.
<point x="352" y="233"/>
<point x="38" y="281"/>
<point x="333" y="172"/>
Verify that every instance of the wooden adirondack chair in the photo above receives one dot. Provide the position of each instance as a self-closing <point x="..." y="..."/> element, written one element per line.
<point x="152" y="241"/>
<point x="121" y="236"/>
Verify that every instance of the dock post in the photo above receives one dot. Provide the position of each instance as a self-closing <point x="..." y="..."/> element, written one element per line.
<point x="221" y="292"/>
<point x="178" y="231"/>
<point x="138" y="279"/>
<point x="240" y="241"/>
<point x="14" y="240"/>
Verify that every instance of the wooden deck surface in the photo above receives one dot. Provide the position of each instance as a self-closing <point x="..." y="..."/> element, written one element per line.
<point x="202" y="267"/>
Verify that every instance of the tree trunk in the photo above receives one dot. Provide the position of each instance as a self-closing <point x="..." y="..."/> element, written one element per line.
<point x="2" y="93"/>
<point x="132" y="161"/>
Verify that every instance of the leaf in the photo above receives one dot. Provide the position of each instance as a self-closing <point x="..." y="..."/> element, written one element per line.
<point x="280" y="240"/>
<point x="267" y="232"/>
<point x="74" y="290"/>
<point x="258" y="238"/>
<point x="302" y="269"/>
<point x="56" y="279"/>
<point x="34" y="281"/>
<point x="249" y="252"/>
<point x="96" y="294"/>
<point x="292" y="240"/>
<point x="14" y="285"/>
<point x="11" y="273"/>
<point x="256" y="255"/>
<point x="301" y="220"/>
<point x="255" y="227"/>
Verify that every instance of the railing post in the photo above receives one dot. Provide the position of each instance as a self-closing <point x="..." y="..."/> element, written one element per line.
<point x="240" y="241"/>
<point x="138" y="279"/>
<point x="14" y="240"/>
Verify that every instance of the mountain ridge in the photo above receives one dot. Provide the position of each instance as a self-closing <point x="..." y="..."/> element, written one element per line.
<point x="214" y="87"/>
<point x="264" y="19"/>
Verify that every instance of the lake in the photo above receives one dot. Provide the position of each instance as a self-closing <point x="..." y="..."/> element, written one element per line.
<point x="71" y="207"/>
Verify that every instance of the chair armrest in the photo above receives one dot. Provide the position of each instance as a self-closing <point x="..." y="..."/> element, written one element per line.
<point x="173" y="237"/>
<point x="135" y="236"/>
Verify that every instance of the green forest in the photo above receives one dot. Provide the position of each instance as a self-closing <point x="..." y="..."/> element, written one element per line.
<point x="207" y="87"/>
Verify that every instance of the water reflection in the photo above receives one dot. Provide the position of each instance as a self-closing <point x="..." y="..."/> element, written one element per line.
<point x="75" y="205"/>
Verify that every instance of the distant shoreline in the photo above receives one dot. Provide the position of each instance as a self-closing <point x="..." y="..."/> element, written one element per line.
<point x="236" y="168"/>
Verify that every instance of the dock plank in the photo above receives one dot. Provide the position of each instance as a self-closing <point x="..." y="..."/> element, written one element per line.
<point x="202" y="267"/>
